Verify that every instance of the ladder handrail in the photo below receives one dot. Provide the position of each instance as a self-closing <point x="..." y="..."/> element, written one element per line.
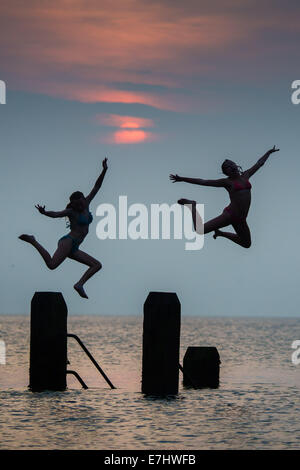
<point x="73" y="372"/>
<point x="70" y="335"/>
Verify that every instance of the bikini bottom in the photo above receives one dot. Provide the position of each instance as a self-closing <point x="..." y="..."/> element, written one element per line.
<point x="234" y="218"/>
<point x="75" y="243"/>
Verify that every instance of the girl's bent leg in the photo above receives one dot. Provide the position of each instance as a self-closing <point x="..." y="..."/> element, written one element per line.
<point x="196" y="217"/>
<point x="63" y="250"/>
<point x="242" y="236"/>
<point x="222" y="220"/>
<point x="94" y="266"/>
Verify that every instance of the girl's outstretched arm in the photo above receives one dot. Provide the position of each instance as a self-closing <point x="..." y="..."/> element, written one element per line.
<point x="259" y="163"/>
<point x="220" y="183"/>
<point x="98" y="183"/>
<point x="53" y="214"/>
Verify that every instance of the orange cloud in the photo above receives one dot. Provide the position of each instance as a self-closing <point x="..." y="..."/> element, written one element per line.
<point x="107" y="95"/>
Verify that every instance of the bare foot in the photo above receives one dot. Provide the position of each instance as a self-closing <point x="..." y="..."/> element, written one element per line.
<point x="182" y="202"/>
<point x="216" y="234"/>
<point x="27" y="238"/>
<point x="79" y="288"/>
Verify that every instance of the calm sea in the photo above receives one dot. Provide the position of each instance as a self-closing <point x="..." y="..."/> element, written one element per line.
<point x="257" y="405"/>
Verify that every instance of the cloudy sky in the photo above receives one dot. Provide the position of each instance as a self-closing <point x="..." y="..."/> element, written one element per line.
<point x="157" y="86"/>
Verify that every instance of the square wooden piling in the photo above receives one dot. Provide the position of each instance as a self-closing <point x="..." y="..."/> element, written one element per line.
<point x="161" y="340"/>
<point x="48" y="342"/>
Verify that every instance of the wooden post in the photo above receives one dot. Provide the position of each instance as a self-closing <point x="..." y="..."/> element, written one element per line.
<point x="161" y="337"/>
<point x="48" y="342"/>
<point x="202" y="367"/>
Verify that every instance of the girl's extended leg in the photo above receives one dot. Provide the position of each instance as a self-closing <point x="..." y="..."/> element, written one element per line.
<point x="94" y="266"/>
<point x="63" y="250"/>
<point x="242" y="236"/>
<point x="221" y="221"/>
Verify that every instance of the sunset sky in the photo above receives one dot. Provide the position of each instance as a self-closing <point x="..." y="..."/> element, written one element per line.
<point x="159" y="87"/>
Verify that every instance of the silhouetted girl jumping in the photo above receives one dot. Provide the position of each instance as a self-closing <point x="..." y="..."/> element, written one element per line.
<point x="239" y="189"/>
<point x="80" y="218"/>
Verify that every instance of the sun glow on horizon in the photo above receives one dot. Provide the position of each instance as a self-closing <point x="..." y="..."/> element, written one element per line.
<point x="130" y="128"/>
<point x="131" y="136"/>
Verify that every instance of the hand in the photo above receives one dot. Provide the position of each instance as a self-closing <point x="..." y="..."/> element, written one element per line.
<point x="41" y="209"/>
<point x="272" y="150"/>
<point x="175" y="178"/>
<point x="104" y="164"/>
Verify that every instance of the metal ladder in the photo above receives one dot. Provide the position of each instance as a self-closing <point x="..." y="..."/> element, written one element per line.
<point x="69" y="335"/>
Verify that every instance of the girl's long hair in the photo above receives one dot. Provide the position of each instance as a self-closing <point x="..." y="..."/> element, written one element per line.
<point x="239" y="168"/>
<point x="70" y="205"/>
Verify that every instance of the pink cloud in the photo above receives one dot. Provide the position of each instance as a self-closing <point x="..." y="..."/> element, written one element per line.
<point x="84" y="51"/>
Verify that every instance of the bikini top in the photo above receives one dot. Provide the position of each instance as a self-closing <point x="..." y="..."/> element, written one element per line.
<point x="238" y="186"/>
<point x="85" y="219"/>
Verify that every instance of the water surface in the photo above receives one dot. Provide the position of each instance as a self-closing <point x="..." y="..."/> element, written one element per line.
<point x="257" y="405"/>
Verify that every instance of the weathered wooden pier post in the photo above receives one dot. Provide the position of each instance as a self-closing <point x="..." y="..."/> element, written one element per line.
<point x="161" y="338"/>
<point x="201" y="367"/>
<point x="48" y="342"/>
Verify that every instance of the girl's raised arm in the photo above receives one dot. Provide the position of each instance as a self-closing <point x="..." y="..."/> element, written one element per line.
<point x="98" y="183"/>
<point x="248" y="173"/>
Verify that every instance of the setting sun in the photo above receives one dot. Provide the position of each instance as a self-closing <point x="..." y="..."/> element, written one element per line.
<point x="131" y="136"/>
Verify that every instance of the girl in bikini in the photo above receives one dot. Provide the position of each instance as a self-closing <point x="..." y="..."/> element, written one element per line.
<point x="239" y="189"/>
<point x="80" y="218"/>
